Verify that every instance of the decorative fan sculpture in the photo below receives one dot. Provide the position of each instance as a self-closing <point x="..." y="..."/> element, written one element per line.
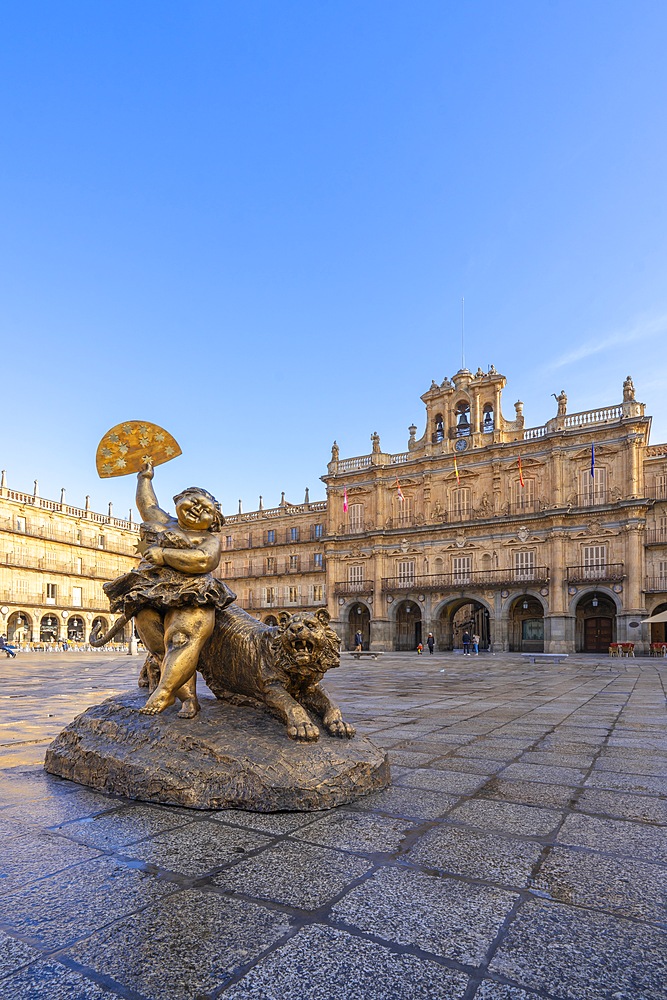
<point x="129" y="446"/>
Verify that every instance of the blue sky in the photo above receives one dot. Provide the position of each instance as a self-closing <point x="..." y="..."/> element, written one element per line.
<point x="253" y="223"/>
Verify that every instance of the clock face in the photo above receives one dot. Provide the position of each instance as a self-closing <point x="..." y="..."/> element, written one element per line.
<point x="461" y="444"/>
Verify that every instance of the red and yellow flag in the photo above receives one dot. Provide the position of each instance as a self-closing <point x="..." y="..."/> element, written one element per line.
<point x="345" y="500"/>
<point x="456" y="470"/>
<point x="399" y="491"/>
<point x="521" y="473"/>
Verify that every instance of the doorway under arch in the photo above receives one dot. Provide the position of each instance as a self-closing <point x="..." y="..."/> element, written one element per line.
<point x="359" y="617"/>
<point x="526" y="625"/>
<point x="48" y="628"/>
<point x="75" y="629"/>
<point x="458" y="616"/>
<point x="19" y="627"/>
<point x="270" y="620"/>
<point x="595" y="623"/>
<point x="659" y="629"/>
<point x="408" y="625"/>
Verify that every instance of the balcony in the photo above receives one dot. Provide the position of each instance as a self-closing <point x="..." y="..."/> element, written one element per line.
<point x="655" y="536"/>
<point x="656" y="585"/>
<point x="347" y="589"/>
<point x="608" y="573"/>
<point x="535" y="576"/>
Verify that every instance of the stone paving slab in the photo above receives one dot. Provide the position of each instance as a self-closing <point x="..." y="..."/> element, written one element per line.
<point x="519" y="854"/>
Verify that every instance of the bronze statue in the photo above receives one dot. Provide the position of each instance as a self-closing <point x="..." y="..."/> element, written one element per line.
<point x="173" y="594"/>
<point x="279" y="667"/>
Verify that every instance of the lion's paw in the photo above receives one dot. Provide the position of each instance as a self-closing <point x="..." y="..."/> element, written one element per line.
<point x="303" y="732"/>
<point x="338" y="727"/>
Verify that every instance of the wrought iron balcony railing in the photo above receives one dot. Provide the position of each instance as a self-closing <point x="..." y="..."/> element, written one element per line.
<point x="474" y="579"/>
<point x="347" y="589"/>
<point x="656" y="584"/>
<point x="607" y="573"/>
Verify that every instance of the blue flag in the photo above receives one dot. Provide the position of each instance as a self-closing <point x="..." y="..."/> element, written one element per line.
<point x="593" y="460"/>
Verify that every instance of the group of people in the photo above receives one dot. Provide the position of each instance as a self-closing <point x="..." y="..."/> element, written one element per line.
<point x="467" y="641"/>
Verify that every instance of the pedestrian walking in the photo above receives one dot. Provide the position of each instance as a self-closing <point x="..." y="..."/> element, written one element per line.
<point x="475" y="644"/>
<point x="358" y="641"/>
<point x="465" y="639"/>
<point x="430" y="642"/>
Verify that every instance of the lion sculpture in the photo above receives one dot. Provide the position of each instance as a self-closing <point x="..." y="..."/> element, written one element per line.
<point x="276" y="667"/>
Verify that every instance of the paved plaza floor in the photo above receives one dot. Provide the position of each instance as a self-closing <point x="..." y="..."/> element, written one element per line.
<point x="520" y="852"/>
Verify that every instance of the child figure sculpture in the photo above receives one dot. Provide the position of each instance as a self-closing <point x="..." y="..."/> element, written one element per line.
<point x="172" y="593"/>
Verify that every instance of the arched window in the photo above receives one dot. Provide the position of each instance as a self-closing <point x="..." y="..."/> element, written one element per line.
<point x="462" y="418"/>
<point x="488" y="420"/>
<point x="439" y="432"/>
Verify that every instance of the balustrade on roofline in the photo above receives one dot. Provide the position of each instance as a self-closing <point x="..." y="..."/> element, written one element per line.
<point x="289" y="510"/>
<point x="40" y="503"/>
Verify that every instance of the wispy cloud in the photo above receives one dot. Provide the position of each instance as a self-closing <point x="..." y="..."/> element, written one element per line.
<point x="643" y="329"/>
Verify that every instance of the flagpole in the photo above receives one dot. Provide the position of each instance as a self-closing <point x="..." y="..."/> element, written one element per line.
<point x="463" y="322"/>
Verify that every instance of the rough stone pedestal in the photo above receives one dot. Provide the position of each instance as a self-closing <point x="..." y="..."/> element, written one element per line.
<point x="227" y="757"/>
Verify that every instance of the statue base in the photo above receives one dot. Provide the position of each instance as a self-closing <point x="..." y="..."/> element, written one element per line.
<point x="227" y="757"/>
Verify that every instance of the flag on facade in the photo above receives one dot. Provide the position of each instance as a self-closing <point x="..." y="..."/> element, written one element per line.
<point x="345" y="499"/>
<point x="521" y="482"/>
<point x="399" y="491"/>
<point x="593" y="460"/>
<point x="456" y="470"/>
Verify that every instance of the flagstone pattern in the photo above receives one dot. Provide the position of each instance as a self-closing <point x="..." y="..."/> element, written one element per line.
<point x="518" y="855"/>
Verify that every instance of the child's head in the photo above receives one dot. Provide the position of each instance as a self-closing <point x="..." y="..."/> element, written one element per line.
<point x="198" y="510"/>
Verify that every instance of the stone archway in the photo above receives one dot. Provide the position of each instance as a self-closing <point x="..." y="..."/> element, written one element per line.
<point x="76" y="629"/>
<point x="659" y="629"/>
<point x="49" y="628"/>
<point x="459" y="615"/>
<point x="359" y="617"/>
<point x="19" y="627"/>
<point x="102" y="622"/>
<point x="270" y="620"/>
<point x="526" y="625"/>
<point x="408" y="630"/>
<point x="595" y="623"/>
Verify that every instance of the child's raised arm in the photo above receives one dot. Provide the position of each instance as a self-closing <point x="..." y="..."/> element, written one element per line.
<point x="146" y="500"/>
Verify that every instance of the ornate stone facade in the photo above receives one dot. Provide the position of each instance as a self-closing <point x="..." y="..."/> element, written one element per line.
<point x="54" y="559"/>
<point x="546" y="538"/>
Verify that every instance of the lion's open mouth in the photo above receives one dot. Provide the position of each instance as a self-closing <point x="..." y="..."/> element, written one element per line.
<point x="302" y="646"/>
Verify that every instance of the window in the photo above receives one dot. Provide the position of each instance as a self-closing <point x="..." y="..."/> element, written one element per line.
<point x="78" y="566"/>
<point x="270" y="595"/>
<point x="271" y="536"/>
<point x="270" y="564"/>
<point x="101" y="542"/>
<point x="662" y="574"/>
<point x="660" y="486"/>
<point x="461" y="502"/>
<point x="294" y="534"/>
<point x="20" y="524"/>
<point x="250" y="540"/>
<point x="228" y="568"/>
<point x="355" y="574"/>
<point x="229" y="541"/>
<point x="404" y="510"/>
<point x="406" y="573"/>
<point x="318" y="530"/>
<point x="51" y="593"/>
<point x="462" y="567"/>
<point x="76" y="597"/>
<point x="524" y="565"/>
<point x="293" y="563"/>
<point x="318" y="560"/>
<point x="593" y="488"/>
<point x="595" y="560"/>
<point x="293" y="595"/>
<point x="356" y="517"/>
<point x="523" y="496"/>
<point x="318" y="593"/>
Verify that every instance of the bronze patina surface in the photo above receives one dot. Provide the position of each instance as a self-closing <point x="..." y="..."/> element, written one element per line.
<point x="227" y="757"/>
<point x="129" y="446"/>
